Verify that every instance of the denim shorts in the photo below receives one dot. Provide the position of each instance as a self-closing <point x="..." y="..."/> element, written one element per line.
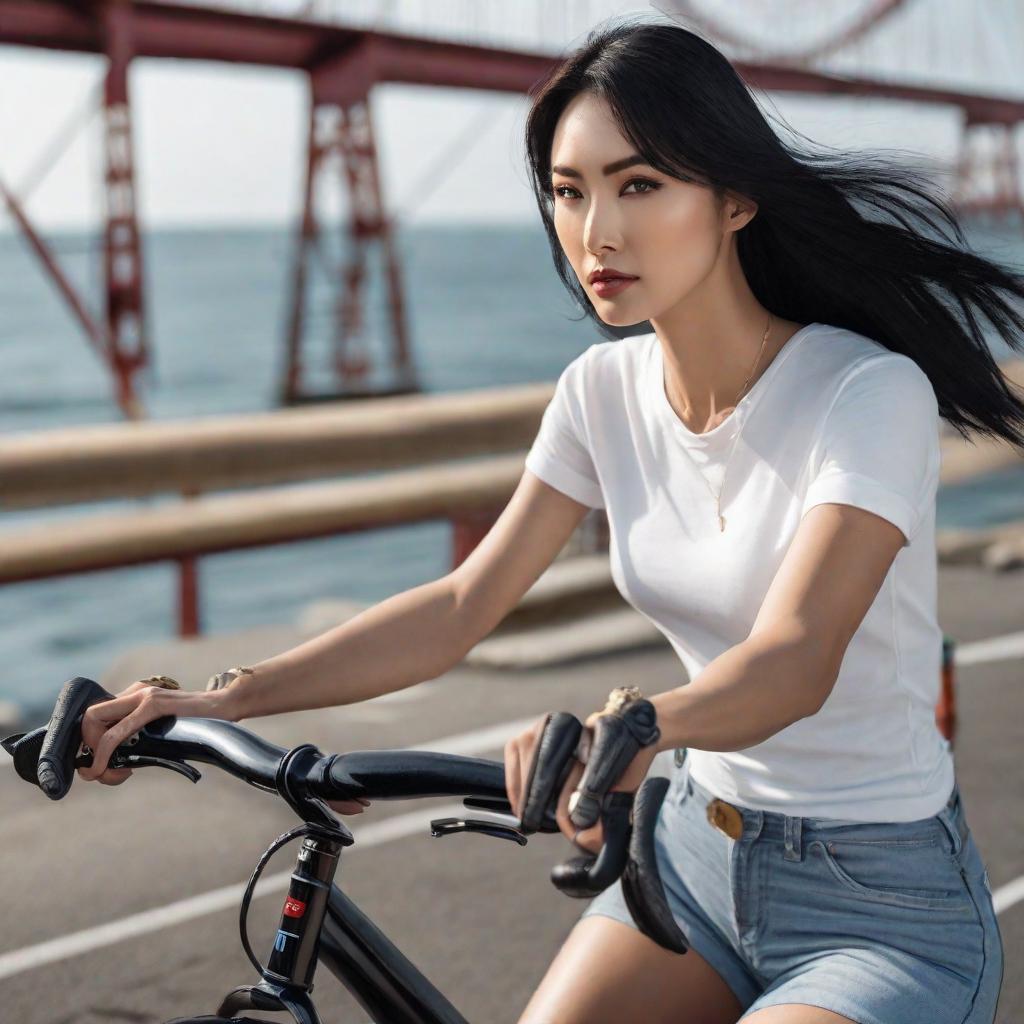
<point x="877" y="921"/>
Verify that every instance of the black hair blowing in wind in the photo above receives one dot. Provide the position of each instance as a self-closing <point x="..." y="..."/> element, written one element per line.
<point x="854" y="240"/>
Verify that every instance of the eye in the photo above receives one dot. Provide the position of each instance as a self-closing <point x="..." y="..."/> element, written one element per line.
<point x="652" y="186"/>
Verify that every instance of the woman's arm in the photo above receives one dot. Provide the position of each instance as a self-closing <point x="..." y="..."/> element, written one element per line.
<point x="749" y="692"/>
<point x="412" y="636"/>
<point x="786" y="667"/>
<point x="420" y="633"/>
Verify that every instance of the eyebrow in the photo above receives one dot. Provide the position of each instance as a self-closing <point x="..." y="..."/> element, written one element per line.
<point x="612" y="168"/>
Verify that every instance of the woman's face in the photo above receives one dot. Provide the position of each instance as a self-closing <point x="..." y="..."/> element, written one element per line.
<point x="665" y="232"/>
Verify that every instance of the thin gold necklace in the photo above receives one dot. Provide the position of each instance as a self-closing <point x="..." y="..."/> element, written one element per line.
<point x="718" y="497"/>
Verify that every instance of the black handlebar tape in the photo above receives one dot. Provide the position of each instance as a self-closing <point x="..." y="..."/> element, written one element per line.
<point x="585" y="877"/>
<point x="642" y="887"/>
<point x="617" y="739"/>
<point x="552" y="762"/>
<point x="56" y="764"/>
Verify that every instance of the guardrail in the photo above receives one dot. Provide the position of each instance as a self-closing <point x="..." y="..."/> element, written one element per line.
<point x="127" y="460"/>
<point x="455" y="456"/>
<point x="122" y="460"/>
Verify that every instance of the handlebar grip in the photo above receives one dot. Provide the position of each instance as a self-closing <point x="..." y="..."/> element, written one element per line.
<point x="56" y="764"/>
<point x="642" y="887"/>
<point x="615" y="741"/>
<point x="552" y="762"/>
<point x="584" y="877"/>
<point x="560" y="739"/>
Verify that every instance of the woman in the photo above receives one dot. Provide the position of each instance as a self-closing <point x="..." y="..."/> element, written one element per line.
<point x="767" y="451"/>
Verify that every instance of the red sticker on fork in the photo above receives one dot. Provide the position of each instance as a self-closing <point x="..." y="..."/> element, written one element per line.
<point x="294" y="907"/>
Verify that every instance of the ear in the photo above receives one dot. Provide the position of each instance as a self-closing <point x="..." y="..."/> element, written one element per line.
<point x="739" y="211"/>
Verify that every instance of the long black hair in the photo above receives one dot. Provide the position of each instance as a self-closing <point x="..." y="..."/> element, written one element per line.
<point x="854" y="239"/>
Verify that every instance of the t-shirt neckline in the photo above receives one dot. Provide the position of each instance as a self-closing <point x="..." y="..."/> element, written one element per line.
<point x="724" y="428"/>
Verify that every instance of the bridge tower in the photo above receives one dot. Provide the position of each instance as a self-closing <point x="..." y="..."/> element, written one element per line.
<point x="341" y="134"/>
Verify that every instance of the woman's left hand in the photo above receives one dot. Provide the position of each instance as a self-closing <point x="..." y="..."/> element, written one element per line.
<point x="592" y="839"/>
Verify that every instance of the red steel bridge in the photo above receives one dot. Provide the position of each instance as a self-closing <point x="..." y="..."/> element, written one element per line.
<point x="908" y="51"/>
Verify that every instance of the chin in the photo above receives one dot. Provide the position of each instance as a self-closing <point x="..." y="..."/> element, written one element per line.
<point x="620" y="318"/>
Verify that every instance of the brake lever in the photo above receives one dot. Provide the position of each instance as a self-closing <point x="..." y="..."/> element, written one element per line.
<point x="121" y="759"/>
<point x="448" y="826"/>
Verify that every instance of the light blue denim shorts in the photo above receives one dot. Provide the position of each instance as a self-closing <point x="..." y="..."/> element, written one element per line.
<point x="880" y="922"/>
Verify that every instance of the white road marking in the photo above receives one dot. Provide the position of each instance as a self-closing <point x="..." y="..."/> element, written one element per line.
<point x="996" y="648"/>
<point x="400" y="826"/>
<point x="479" y="741"/>
<point x="1007" y="895"/>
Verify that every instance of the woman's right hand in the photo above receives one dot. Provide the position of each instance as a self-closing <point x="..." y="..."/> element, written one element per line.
<point x="108" y="723"/>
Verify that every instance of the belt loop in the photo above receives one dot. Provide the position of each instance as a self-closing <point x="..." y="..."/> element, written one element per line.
<point x="955" y="829"/>
<point x="952" y="819"/>
<point x="791" y="836"/>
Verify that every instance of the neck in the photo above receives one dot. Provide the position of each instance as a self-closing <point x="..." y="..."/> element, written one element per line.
<point x="711" y="345"/>
<point x="709" y="370"/>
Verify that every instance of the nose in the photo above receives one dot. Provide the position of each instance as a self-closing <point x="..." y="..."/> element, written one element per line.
<point x="601" y="229"/>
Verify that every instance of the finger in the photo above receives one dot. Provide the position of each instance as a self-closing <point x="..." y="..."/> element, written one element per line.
<point x="98" y="717"/>
<point x="149" y="706"/>
<point x="93" y="732"/>
<point x="591" y="839"/>
<point x="513" y="784"/>
<point x="115" y="776"/>
<point x="562" y="807"/>
<point x="346" y="806"/>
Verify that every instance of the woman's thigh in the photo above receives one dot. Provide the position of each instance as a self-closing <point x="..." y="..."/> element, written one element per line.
<point x="608" y="972"/>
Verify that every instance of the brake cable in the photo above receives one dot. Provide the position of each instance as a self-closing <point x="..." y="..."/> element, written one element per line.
<point x="299" y="830"/>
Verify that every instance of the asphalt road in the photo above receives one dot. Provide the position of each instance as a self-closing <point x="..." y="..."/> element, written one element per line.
<point x="477" y="915"/>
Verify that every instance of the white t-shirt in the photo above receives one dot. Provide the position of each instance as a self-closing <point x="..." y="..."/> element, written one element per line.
<point x="836" y="417"/>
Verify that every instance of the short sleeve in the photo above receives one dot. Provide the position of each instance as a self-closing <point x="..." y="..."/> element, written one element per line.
<point x="560" y="455"/>
<point x="879" y="449"/>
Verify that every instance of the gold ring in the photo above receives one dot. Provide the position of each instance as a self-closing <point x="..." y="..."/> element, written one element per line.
<point x="619" y="698"/>
<point x="166" y="682"/>
<point x="222" y="680"/>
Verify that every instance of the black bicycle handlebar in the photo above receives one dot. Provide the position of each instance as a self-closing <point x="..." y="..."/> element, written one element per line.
<point x="48" y="756"/>
<point x="49" y="753"/>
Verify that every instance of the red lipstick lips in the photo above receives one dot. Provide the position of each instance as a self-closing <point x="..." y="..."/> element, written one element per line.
<point x="608" y="283"/>
<point x="608" y="273"/>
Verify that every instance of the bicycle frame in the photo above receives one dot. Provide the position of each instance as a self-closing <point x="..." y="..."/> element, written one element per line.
<point x="319" y="923"/>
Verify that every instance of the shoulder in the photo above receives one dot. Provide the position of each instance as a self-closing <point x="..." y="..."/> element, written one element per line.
<point x="848" y="367"/>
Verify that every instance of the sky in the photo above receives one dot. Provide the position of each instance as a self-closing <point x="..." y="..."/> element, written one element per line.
<point x="225" y="145"/>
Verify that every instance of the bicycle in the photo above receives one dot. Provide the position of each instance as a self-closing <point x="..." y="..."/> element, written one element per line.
<point x="319" y="923"/>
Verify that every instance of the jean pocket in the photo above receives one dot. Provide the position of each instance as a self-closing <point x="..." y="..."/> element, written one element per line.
<point x="903" y="873"/>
